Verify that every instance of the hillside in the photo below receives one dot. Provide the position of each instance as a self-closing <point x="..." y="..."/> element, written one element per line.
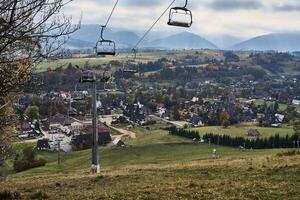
<point x="157" y="165"/>
<point x="89" y="34"/>
<point x="183" y="40"/>
<point x="276" y="42"/>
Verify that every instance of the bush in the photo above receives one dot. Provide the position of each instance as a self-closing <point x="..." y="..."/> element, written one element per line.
<point x="39" y="195"/>
<point x="27" y="160"/>
<point x="150" y="122"/>
<point x="226" y="123"/>
<point x="8" y="195"/>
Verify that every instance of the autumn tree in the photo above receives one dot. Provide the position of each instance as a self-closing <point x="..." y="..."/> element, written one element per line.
<point x="224" y="119"/>
<point x="30" y="31"/>
<point x="297" y="127"/>
<point x="32" y="113"/>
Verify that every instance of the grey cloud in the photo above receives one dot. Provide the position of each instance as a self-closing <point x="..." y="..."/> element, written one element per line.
<point x="143" y="3"/>
<point x="286" y="7"/>
<point x="229" y="5"/>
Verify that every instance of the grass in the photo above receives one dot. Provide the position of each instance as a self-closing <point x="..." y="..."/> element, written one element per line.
<point x="142" y="57"/>
<point x="241" y="130"/>
<point x="159" y="166"/>
<point x="260" y="102"/>
<point x="259" y="177"/>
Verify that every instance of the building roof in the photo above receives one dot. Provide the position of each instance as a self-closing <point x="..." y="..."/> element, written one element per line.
<point x="101" y="130"/>
<point x="25" y="126"/>
<point x="253" y="132"/>
<point x="60" y="119"/>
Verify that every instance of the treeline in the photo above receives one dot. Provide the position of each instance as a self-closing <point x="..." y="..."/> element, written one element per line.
<point x="258" y="143"/>
<point x="184" y="133"/>
<point x="225" y="140"/>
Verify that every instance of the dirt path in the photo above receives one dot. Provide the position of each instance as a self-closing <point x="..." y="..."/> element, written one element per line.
<point x="123" y="132"/>
<point x="175" y="123"/>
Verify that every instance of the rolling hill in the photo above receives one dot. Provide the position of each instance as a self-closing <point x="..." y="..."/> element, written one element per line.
<point x="87" y="36"/>
<point x="183" y="40"/>
<point x="277" y="42"/>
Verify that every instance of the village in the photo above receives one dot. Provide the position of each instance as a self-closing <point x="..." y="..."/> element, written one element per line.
<point x="63" y="119"/>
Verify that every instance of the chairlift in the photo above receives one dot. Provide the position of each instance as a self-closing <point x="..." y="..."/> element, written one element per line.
<point x="180" y="16"/>
<point x="87" y="77"/>
<point x="105" y="47"/>
<point x="130" y="71"/>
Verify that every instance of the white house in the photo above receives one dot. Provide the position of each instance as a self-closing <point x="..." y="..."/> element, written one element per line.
<point x="296" y="102"/>
<point x="76" y="126"/>
<point x="279" y="117"/>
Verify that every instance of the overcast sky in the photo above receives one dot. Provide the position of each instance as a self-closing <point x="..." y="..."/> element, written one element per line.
<point x="241" y="18"/>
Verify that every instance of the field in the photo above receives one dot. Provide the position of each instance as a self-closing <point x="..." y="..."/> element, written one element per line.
<point x="259" y="102"/>
<point x="159" y="166"/>
<point x="242" y="130"/>
<point x="141" y="58"/>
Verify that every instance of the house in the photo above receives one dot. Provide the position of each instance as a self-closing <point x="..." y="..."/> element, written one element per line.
<point x="59" y="120"/>
<point x="161" y="112"/>
<point x="253" y="133"/>
<point x="279" y="118"/>
<point x="76" y="126"/>
<point x="43" y="144"/>
<point x="120" y="120"/>
<point x="196" y="121"/>
<point x="85" y="140"/>
<point x="119" y="143"/>
<point x="296" y="102"/>
<point x="195" y="99"/>
<point x="24" y="127"/>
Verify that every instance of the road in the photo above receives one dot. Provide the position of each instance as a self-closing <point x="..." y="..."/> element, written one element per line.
<point x="175" y="123"/>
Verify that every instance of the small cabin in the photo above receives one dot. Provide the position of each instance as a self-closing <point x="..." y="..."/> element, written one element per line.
<point x="253" y="133"/>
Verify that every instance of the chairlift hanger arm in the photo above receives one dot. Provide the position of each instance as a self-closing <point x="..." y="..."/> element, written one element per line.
<point x="186" y="2"/>
<point x="102" y="30"/>
<point x="108" y="20"/>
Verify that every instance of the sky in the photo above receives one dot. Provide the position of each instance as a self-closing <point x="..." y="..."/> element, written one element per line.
<point x="239" y="18"/>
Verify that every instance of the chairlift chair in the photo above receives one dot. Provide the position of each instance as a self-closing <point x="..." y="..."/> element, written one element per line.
<point x="130" y="71"/>
<point x="180" y="16"/>
<point x="105" y="47"/>
<point x="87" y="77"/>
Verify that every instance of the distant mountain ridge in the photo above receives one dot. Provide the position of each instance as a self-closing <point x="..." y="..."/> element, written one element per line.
<point x="86" y="37"/>
<point x="183" y="40"/>
<point x="275" y="42"/>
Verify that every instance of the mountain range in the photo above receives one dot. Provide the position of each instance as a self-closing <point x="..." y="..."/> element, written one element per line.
<point x="86" y="37"/>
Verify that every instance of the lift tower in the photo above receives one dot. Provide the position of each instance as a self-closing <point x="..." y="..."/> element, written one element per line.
<point x="90" y="77"/>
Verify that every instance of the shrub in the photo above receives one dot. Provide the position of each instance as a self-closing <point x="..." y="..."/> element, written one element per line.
<point x="150" y="122"/>
<point x="28" y="160"/>
<point x="39" y="195"/>
<point x="8" y="195"/>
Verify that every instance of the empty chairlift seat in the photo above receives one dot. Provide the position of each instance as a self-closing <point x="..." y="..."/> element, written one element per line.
<point x="106" y="47"/>
<point x="180" y="16"/>
<point x="87" y="76"/>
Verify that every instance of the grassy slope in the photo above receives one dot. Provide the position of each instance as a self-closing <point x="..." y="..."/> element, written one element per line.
<point x="159" y="166"/>
<point x="141" y="57"/>
<point x="242" y="130"/>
